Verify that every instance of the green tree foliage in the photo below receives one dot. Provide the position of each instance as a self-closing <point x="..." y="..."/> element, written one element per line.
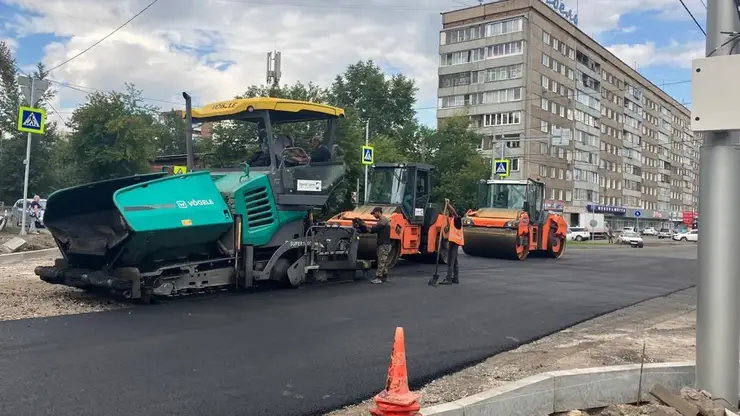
<point x="42" y="175"/>
<point x="452" y="149"/>
<point x="170" y="139"/>
<point x="113" y="135"/>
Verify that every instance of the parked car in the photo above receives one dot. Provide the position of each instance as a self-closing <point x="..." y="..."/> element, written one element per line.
<point x="17" y="212"/>
<point x="664" y="233"/>
<point x="629" y="229"/>
<point x="689" y="235"/>
<point x="631" y="238"/>
<point x="649" y="231"/>
<point x="578" y="234"/>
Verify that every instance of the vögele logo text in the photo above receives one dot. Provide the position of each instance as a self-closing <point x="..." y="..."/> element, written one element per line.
<point x="200" y="202"/>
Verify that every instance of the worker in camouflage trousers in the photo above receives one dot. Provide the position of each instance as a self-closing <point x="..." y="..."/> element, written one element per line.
<point x="383" y="230"/>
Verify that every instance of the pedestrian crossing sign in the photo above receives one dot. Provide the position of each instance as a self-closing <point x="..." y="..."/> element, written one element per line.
<point x="31" y="120"/>
<point x="501" y="167"/>
<point x="179" y="170"/>
<point x="368" y="155"/>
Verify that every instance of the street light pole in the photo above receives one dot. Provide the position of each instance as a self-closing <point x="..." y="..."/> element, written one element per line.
<point x="717" y="309"/>
<point x="27" y="161"/>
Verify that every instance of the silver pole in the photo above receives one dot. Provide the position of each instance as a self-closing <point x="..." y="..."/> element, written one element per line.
<point x="367" y="142"/>
<point x="28" y="160"/>
<point x="717" y="311"/>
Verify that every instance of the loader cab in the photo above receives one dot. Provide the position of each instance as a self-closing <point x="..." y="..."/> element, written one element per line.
<point x="525" y="195"/>
<point x="284" y="134"/>
<point x="406" y="185"/>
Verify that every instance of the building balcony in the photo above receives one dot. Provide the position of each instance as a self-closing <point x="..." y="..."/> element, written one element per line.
<point x="632" y="177"/>
<point x="589" y="186"/>
<point x="632" y="192"/>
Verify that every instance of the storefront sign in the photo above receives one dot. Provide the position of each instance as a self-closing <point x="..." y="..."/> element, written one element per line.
<point x="559" y="7"/>
<point x="606" y="209"/>
<point x="554" y="205"/>
<point x="688" y="217"/>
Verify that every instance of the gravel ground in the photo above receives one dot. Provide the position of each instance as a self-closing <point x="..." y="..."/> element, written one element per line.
<point x="24" y="295"/>
<point x="34" y="241"/>
<point x="666" y="326"/>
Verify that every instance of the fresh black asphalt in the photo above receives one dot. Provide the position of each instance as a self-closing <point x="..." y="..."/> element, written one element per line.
<point x="305" y="351"/>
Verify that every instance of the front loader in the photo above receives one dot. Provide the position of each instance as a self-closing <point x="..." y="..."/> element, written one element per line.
<point x="403" y="191"/>
<point x="159" y="235"/>
<point x="511" y="222"/>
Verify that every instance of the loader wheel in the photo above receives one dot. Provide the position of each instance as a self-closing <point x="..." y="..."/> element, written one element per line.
<point x="555" y="245"/>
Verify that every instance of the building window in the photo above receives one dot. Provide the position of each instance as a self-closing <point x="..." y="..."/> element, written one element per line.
<point x="545" y="37"/>
<point x="544" y="127"/>
<point x="545" y="82"/>
<point x="502" y="119"/>
<point x="546" y="60"/>
<point x="514" y="164"/>
<point x="504" y="49"/>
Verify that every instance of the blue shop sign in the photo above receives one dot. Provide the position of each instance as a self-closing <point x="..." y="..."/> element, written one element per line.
<point x="559" y="7"/>
<point x="605" y="209"/>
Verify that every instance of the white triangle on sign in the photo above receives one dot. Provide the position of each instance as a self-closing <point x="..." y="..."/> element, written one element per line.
<point x="501" y="168"/>
<point x="368" y="155"/>
<point x="31" y="121"/>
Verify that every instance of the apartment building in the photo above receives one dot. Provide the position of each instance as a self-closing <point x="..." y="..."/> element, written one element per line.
<point x="521" y="71"/>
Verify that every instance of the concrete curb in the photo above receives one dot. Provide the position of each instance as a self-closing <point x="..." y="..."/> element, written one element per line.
<point x="561" y="391"/>
<point x="26" y="255"/>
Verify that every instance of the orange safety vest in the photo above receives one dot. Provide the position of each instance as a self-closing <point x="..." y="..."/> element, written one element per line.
<point x="456" y="235"/>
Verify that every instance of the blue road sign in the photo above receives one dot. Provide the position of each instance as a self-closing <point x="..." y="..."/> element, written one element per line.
<point x="31" y="120"/>
<point x="637" y="214"/>
<point x="501" y="167"/>
<point x="368" y="155"/>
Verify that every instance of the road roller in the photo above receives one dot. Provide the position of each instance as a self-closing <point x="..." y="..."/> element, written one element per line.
<point x="403" y="191"/>
<point x="511" y="222"/>
<point x="156" y="235"/>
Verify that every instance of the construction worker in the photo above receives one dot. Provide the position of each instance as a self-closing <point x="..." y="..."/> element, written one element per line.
<point x="383" y="230"/>
<point x="455" y="239"/>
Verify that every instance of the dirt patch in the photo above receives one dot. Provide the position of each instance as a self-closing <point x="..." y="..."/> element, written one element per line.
<point x="666" y="326"/>
<point x="38" y="241"/>
<point x="24" y="295"/>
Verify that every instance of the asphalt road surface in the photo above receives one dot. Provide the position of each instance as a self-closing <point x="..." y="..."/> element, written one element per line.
<point x="305" y="351"/>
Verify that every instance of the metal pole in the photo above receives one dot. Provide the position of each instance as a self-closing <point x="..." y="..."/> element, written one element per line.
<point x="28" y="160"/>
<point x="367" y="142"/>
<point x="717" y="311"/>
<point x="189" y="147"/>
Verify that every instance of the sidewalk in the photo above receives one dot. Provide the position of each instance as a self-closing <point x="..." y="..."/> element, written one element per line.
<point x="666" y="326"/>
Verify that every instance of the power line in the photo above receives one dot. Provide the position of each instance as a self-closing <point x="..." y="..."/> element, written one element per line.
<point x="105" y="37"/>
<point x="692" y="17"/>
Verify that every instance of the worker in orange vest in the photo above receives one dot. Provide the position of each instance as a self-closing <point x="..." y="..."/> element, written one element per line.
<point x="455" y="239"/>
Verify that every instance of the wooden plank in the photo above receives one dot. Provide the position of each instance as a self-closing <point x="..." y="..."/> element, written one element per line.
<point x="676" y="402"/>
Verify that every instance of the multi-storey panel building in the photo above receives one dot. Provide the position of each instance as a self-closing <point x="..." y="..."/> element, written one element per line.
<point x="521" y="71"/>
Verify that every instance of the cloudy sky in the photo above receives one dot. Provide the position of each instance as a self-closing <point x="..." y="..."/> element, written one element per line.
<point x="214" y="49"/>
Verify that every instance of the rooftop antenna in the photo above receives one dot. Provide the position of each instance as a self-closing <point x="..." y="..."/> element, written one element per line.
<point x="273" y="70"/>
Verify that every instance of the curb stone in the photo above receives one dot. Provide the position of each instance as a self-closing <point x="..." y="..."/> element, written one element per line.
<point x="562" y="391"/>
<point x="26" y="255"/>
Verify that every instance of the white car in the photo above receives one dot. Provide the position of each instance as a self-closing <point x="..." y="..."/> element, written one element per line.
<point x="630" y="237"/>
<point x="664" y="233"/>
<point x="649" y="231"/>
<point x="690" y="235"/>
<point x="578" y="234"/>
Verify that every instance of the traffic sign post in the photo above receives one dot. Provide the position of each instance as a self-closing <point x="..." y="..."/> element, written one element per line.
<point x="637" y="216"/>
<point x="368" y="155"/>
<point x="363" y="157"/>
<point x="30" y="120"/>
<point x="501" y="167"/>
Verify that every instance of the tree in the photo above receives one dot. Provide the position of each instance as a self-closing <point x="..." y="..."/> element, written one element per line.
<point x="387" y="103"/>
<point x="42" y="177"/>
<point x="171" y="136"/>
<point x="452" y="149"/>
<point x="112" y="135"/>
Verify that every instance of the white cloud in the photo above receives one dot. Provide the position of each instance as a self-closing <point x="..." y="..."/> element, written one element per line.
<point x="648" y="54"/>
<point x="170" y="49"/>
<point x="629" y="29"/>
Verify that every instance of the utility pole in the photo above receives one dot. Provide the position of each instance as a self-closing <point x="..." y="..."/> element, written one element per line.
<point x="32" y="89"/>
<point x="367" y="143"/>
<point x="717" y="309"/>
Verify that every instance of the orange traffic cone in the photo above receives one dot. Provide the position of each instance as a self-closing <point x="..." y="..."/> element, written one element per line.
<point x="397" y="399"/>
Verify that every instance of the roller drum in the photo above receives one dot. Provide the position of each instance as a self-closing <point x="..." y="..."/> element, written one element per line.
<point x="492" y="243"/>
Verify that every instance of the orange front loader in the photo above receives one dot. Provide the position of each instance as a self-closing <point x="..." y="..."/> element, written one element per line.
<point x="403" y="191"/>
<point x="511" y="222"/>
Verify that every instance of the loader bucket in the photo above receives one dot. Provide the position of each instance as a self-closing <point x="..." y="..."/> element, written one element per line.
<point x="138" y="221"/>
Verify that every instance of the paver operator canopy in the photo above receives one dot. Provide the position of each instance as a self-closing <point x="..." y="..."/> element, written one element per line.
<point x="166" y="235"/>
<point x="511" y="221"/>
